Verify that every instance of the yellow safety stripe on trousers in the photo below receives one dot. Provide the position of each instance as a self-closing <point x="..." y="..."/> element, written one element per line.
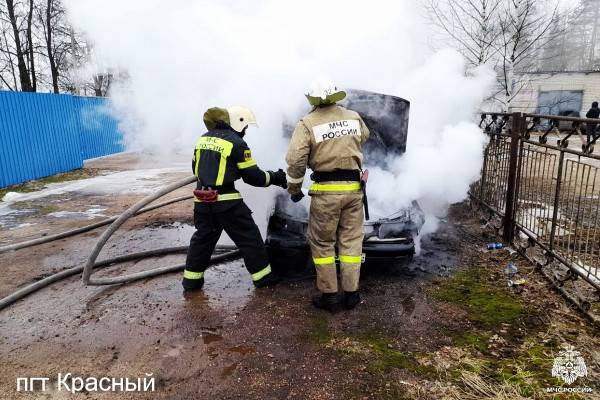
<point x="335" y="187"/>
<point x="324" y="260"/>
<point x="246" y="164"/>
<point x="221" y="146"/>
<point x="223" y="197"/>
<point x="192" y="275"/>
<point x="351" y="259"/>
<point x="262" y="273"/>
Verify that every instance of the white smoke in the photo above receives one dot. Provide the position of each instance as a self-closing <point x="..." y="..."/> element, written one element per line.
<point x="183" y="56"/>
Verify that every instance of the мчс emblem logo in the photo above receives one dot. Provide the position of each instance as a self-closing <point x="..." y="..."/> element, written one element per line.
<point x="569" y="365"/>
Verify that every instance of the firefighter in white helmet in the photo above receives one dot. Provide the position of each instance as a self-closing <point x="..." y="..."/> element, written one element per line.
<point x="329" y="140"/>
<point x="220" y="158"/>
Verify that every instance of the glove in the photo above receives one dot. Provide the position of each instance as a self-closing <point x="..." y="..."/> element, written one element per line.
<point x="296" y="197"/>
<point x="278" y="178"/>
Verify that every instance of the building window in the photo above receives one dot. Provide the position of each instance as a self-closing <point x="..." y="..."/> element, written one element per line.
<point x="560" y="102"/>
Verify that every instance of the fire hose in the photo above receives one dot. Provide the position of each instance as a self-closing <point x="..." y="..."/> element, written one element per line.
<point x="83" y="229"/>
<point x="226" y="252"/>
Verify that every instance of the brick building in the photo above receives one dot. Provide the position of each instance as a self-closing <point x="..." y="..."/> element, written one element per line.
<point x="558" y="93"/>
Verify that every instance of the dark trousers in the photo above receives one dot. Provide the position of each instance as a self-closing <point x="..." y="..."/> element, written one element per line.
<point x="591" y="132"/>
<point x="236" y="220"/>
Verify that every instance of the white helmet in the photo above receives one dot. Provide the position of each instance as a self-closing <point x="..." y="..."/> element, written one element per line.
<point x="324" y="91"/>
<point x="240" y="118"/>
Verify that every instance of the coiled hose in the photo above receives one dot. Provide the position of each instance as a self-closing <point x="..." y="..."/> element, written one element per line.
<point x="227" y="252"/>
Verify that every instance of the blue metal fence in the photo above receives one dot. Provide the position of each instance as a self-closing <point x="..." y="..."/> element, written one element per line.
<point x="45" y="134"/>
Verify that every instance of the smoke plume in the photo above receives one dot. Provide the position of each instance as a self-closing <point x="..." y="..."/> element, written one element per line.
<point x="184" y="56"/>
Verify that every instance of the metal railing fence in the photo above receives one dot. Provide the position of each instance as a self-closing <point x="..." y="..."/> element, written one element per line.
<point x="547" y="196"/>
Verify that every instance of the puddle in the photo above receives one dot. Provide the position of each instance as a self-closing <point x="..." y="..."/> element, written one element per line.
<point x="79" y="215"/>
<point x="209" y="338"/>
<point x="227" y="371"/>
<point x="241" y="349"/>
<point x="14" y="219"/>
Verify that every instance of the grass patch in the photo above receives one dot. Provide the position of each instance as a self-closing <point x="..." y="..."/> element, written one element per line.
<point x="386" y="357"/>
<point x="373" y="349"/>
<point x="38" y="184"/>
<point x="486" y="304"/>
<point x="383" y="357"/>
<point x="476" y="340"/>
<point x="318" y="332"/>
<point x="528" y="372"/>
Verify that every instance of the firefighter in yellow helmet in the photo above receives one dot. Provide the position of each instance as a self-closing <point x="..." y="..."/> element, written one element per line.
<point x="329" y="140"/>
<point x="220" y="158"/>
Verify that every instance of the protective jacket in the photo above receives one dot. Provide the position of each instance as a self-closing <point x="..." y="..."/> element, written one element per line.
<point x="221" y="157"/>
<point x="329" y="138"/>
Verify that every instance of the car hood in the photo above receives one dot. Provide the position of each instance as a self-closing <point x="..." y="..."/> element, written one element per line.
<point x="387" y="119"/>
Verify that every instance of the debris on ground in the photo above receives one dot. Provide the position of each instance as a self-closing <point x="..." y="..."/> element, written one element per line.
<point x="444" y="325"/>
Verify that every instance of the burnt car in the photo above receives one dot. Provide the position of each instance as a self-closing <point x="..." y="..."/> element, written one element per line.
<point x="386" y="239"/>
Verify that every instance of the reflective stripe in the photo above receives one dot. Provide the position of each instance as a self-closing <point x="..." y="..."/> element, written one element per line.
<point x="351" y="259"/>
<point x="192" y="275"/>
<point x="222" y="168"/>
<point x="324" y="260"/>
<point x="262" y="273"/>
<point x="335" y="187"/>
<point x="197" y="161"/>
<point x="294" y="180"/>
<point x="223" y="197"/>
<point x="267" y="178"/>
<point x="246" y="164"/>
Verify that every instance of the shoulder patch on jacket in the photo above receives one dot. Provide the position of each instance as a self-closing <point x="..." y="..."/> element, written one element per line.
<point x="247" y="155"/>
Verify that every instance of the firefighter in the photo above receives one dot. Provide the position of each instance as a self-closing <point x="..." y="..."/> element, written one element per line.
<point x="220" y="158"/>
<point x="329" y="140"/>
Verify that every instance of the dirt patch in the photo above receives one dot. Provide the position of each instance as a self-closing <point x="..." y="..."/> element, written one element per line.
<point x="444" y="325"/>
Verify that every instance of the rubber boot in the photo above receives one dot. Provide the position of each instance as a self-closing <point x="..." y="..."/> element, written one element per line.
<point x="351" y="299"/>
<point x="192" y="284"/>
<point x="268" y="280"/>
<point x="327" y="301"/>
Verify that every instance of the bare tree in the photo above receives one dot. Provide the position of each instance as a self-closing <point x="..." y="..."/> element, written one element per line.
<point x="557" y="55"/>
<point x="472" y="24"/>
<point x="30" y="47"/>
<point x="56" y="36"/>
<point x="7" y="69"/>
<point x="525" y="33"/>
<point x="509" y="35"/>
<point x="20" y="51"/>
<point x="582" y="36"/>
